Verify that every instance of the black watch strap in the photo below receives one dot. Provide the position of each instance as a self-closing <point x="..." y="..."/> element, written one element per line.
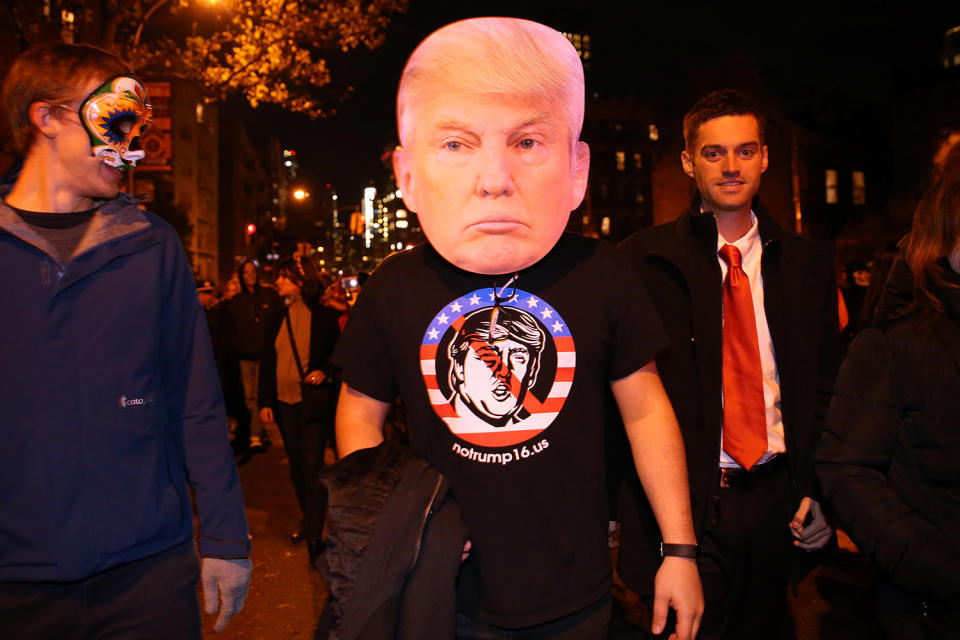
<point x="679" y="550"/>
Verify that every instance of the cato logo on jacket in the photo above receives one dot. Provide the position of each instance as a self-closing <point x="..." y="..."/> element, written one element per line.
<point x="497" y="375"/>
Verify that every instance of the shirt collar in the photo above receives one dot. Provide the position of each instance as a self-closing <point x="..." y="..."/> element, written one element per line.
<point x="748" y="242"/>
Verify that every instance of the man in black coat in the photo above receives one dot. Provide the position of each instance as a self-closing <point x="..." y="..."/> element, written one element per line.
<point x="747" y="509"/>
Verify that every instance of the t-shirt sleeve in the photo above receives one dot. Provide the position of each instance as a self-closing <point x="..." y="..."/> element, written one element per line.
<point x="637" y="335"/>
<point x="362" y="352"/>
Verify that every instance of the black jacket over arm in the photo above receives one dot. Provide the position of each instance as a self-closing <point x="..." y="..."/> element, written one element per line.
<point x="393" y="548"/>
<point x="678" y="264"/>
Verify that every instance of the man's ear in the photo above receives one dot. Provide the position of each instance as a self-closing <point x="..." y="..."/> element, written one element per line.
<point x="43" y="119"/>
<point x="403" y="170"/>
<point x="687" y="161"/>
<point x="764" y="158"/>
<point x="581" y="173"/>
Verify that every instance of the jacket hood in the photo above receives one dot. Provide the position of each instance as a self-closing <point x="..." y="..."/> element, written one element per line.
<point x="112" y="219"/>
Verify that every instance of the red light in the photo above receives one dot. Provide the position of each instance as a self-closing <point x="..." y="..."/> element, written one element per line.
<point x="251" y="229"/>
<point x="328" y="185"/>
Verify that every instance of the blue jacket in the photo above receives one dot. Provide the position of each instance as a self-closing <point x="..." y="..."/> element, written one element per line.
<point x="109" y="403"/>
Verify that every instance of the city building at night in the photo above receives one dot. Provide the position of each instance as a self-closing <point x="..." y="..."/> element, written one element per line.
<point x="245" y="195"/>
<point x="180" y="170"/>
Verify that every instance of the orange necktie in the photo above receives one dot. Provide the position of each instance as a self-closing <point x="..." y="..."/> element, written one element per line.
<point x="744" y="413"/>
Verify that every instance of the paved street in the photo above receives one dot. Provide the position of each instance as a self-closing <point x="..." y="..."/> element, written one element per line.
<point x="286" y="596"/>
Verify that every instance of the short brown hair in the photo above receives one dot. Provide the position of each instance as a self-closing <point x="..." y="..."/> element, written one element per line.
<point x="52" y="72"/>
<point x="726" y="102"/>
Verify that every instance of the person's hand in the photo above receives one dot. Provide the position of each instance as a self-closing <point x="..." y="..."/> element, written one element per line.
<point x="266" y="415"/>
<point x="315" y="377"/>
<point x="229" y="579"/>
<point x="814" y="535"/>
<point x="677" y="586"/>
<point x="466" y="551"/>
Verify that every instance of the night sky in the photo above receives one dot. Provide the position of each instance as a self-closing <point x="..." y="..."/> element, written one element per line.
<point x="809" y="54"/>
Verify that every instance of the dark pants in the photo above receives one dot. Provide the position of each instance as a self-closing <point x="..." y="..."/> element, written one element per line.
<point x="591" y="623"/>
<point x="150" y="599"/>
<point x="305" y="444"/>
<point x="746" y="554"/>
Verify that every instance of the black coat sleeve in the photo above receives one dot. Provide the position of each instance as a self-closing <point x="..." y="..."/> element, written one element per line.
<point x="853" y="462"/>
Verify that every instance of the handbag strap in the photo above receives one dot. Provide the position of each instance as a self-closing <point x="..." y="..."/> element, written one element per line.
<point x="293" y="345"/>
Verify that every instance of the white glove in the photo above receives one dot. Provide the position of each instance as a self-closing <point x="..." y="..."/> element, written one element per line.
<point x="231" y="577"/>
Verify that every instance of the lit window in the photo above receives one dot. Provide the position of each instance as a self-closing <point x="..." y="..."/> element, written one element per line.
<point x="638" y="197"/>
<point x="638" y="160"/>
<point x="832" y="196"/>
<point x="621" y="161"/>
<point x="654" y="132"/>
<point x="199" y="113"/>
<point x="605" y="225"/>
<point x="859" y="188"/>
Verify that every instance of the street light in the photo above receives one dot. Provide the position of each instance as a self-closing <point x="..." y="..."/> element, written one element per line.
<point x="156" y="5"/>
<point x="300" y="194"/>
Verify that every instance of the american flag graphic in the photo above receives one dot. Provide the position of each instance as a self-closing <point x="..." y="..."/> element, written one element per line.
<point x="542" y="404"/>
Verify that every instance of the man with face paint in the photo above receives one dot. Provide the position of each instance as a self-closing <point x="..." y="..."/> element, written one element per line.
<point x="110" y="407"/>
<point x="504" y="336"/>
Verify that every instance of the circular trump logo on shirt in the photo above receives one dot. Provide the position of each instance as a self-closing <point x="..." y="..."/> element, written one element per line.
<point x="497" y="374"/>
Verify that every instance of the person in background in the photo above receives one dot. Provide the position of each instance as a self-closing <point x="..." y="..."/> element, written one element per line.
<point x="297" y="346"/>
<point x="335" y="297"/>
<point x="889" y="457"/>
<point x="230" y="288"/>
<point x="247" y="314"/>
<point x="857" y="283"/>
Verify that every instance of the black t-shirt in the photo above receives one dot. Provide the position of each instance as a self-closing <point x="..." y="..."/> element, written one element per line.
<point x="63" y="230"/>
<point x="515" y="423"/>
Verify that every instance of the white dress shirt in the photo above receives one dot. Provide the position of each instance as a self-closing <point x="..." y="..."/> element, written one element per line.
<point x="751" y="249"/>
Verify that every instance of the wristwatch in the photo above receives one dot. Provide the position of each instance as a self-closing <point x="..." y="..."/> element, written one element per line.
<point x="679" y="550"/>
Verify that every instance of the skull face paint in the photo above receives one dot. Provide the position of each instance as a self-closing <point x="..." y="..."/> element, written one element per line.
<point x="115" y="115"/>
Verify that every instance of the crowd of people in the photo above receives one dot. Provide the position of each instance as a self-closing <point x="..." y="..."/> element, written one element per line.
<point x="684" y="384"/>
<point x="269" y="340"/>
